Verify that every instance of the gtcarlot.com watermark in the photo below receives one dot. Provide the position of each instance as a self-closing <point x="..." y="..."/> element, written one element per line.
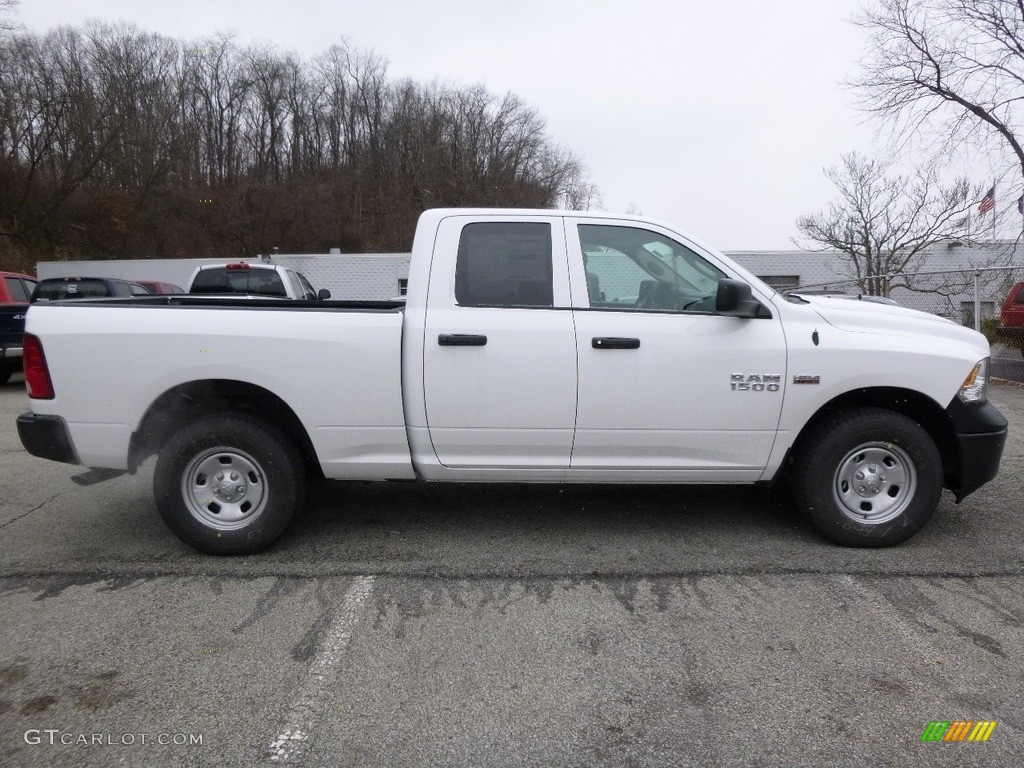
<point x="56" y="737"/>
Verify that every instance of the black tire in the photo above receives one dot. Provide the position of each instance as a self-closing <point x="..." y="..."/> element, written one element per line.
<point x="5" y="374"/>
<point x="867" y="477"/>
<point x="229" y="484"/>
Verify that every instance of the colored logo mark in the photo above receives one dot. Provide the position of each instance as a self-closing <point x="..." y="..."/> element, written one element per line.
<point x="958" y="730"/>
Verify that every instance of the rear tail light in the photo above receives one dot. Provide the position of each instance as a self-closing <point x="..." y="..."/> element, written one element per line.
<point x="37" y="375"/>
<point x="239" y="265"/>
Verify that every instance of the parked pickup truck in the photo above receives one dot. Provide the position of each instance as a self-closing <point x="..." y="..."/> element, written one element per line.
<point x="15" y="290"/>
<point x="244" y="279"/>
<point x="533" y="346"/>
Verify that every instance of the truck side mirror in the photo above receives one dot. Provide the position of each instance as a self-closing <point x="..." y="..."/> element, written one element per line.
<point x="323" y="294"/>
<point x="735" y="299"/>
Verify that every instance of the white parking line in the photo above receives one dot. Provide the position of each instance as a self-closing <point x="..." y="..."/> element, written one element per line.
<point x="299" y="720"/>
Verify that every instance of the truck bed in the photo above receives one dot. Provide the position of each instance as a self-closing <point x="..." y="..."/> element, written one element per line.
<point x="335" y="364"/>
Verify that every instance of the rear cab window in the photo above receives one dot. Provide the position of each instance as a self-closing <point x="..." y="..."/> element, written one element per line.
<point x="56" y="290"/>
<point x="248" y="281"/>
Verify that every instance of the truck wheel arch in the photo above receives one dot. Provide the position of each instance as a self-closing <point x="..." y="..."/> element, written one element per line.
<point x="195" y="399"/>
<point x="931" y="416"/>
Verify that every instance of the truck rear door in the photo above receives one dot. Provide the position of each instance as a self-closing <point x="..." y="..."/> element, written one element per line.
<point x="499" y="347"/>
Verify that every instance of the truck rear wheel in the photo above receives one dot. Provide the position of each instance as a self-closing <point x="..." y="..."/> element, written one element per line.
<point x="228" y="484"/>
<point x="868" y="477"/>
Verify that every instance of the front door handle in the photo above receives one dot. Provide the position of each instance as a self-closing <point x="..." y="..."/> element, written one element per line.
<point x="614" y="342"/>
<point x="461" y="340"/>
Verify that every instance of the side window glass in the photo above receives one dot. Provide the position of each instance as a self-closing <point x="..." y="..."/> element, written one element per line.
<point x="504" y="265"/>
<point x="293" y="281"/>
<point x="633" y="268"/>
<point x="307" y="289"/>
<point x="122" y="289"/>
<point x="16" y="289"/>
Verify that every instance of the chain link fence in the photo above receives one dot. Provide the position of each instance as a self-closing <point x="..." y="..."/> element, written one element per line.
<point x="970" y="297"/>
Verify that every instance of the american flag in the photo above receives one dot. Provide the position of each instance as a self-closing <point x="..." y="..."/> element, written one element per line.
<point x="988" y="202"/>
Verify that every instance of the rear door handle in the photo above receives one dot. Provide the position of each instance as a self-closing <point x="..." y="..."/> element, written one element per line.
<point x="461" y="340"/>
<point x="614" y="342"/>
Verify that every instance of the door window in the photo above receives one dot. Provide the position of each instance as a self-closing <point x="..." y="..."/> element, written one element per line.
<point x="307" y="289"/>
<point x="504" y="265"/>
<point x="637" y="269"/>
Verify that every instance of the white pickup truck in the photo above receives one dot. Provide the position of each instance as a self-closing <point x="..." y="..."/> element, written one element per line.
<point x="533" y="346"/>
<point x="244" y="279"/>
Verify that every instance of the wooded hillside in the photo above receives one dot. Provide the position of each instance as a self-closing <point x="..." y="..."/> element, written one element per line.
<point x="120" y="143"/>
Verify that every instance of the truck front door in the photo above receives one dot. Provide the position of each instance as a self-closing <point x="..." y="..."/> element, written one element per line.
<point x="499" y="347"/>
<point x="665" y="383"/>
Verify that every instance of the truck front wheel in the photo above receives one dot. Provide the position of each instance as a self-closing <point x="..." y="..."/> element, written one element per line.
<point x="868" y="477"/>
<point x="228" y="484"/>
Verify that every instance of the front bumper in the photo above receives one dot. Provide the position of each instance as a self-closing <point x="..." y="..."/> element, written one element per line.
<point x="980" y="434"/>
<point x="47" y="437"/>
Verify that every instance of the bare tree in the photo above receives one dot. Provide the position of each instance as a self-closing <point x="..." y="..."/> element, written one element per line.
<point x="883" y="223"/>
<point x="947" y="70"/>
<point x="7" y="7"/>
<point x="216" y="93"/>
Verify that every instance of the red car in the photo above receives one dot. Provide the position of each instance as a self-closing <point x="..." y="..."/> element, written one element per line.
<point x="1011" y="321"/>
<point x="15" y="290"/>
<point x="156" y="286"/>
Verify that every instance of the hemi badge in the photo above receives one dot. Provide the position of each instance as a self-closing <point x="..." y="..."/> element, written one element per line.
<point x="807" y="379"/>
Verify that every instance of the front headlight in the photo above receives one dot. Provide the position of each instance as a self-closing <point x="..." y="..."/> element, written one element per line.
<point x="975" y="386"/>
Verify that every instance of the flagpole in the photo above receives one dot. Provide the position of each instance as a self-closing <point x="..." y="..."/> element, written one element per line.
<point x="993" y="215"/>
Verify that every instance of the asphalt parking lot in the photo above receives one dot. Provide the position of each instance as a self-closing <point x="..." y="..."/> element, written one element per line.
<point x="423" y="625"/>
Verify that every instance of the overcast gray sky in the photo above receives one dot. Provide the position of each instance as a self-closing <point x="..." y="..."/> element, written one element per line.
<point x="717" y="117"/>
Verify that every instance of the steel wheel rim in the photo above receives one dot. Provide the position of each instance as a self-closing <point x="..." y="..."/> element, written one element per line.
<point x="875" y="483"/>
<point x="224" y="488"/>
